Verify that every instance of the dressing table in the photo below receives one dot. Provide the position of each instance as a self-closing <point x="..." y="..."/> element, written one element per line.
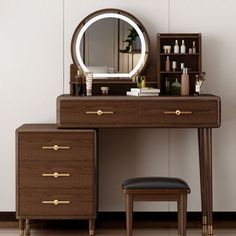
<point x="57" y="163"/>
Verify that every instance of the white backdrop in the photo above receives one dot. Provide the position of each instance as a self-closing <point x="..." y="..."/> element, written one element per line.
<point x="34" y="69"/>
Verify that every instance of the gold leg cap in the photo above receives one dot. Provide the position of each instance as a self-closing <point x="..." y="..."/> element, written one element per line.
<point x="210" y="230"/>
<point x="91" y="232"/>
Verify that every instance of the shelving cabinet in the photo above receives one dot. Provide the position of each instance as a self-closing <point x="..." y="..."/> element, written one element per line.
<point x="192" y="60"/>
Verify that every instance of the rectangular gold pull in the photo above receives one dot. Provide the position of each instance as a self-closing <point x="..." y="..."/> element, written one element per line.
<point x="56" y="202"/>
<point x="99" y="112"/>
<point x="55" y="147"/>
<point x="56" y="175"/>
<point x="178" y="112"/>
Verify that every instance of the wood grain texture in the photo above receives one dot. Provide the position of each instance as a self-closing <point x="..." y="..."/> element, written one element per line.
<point x="138" y="111"/>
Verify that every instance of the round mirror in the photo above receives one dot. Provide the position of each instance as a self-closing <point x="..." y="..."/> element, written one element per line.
<point x="111" y="43"/>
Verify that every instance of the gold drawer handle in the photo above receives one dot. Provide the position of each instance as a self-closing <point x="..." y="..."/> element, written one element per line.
<point x="56" y="175"/>
<point x="99" y="112"/>
<point x="56" y="202"/>
<point x="55" y="147"/>
<point x="178" y="112"/>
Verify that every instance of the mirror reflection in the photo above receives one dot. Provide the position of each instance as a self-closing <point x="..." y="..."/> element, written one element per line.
<point x="110" y="43"/>
<point x="111" y="46"/>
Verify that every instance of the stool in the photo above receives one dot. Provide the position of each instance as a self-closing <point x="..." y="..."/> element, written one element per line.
<point x="156" y="189"/>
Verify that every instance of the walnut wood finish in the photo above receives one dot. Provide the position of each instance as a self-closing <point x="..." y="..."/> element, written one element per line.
<point x="192" y="61"/>
<point x="178" y="195"/>
<point x="195" y="111"/>
<point x="202" y="112"/>
<point x="56" y="174"/>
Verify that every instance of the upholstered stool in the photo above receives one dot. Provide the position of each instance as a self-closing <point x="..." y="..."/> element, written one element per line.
<point x="156" y="189"/>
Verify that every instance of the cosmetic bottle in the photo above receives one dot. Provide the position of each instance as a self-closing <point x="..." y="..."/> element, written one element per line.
<point x="175" y="88"/>
<point x="77" y="84"/>
<point x="185" y="82"/>
<point x="167" y="63"/>
<point x="167" y="85"/>
<point x="176" y="47"/>
<point x="194" y="47"/>
<point x="183" y="48"/>
<point x="174" y="65"/>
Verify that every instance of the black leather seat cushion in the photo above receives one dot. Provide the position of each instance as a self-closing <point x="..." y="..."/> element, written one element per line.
<point x="155" y="183"/>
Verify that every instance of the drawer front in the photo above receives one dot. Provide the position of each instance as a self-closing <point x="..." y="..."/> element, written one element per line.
<point x="48" y="174"/>
<point x="180" y="114"/>
<point x="97" y="114"/>
<point x="56" y="146"/>
<point x="55" y="203"/>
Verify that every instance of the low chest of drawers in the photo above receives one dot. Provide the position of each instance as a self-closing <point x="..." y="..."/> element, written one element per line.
<point x="56" y="174"/>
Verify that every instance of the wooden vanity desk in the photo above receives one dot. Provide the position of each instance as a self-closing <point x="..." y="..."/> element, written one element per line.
<point x="201" y="112"/>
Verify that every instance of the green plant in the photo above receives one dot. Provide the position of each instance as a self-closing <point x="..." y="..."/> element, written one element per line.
<point x="130" y="39"/>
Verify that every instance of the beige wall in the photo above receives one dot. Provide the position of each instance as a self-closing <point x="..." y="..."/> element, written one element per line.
<point x="34" y="69"/>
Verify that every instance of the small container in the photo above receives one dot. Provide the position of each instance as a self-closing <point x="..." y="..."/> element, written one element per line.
<point x="89" y="83"/>
<point x="194" y="47"/>
<point x="167" y="63"/>
<point x="140" y="81"/>
<point x="190" y="51"/>
<point x="176" y="47"/>
<point x="104" y="90"/>
<point x="167" y="85"/>
<point x="185" y="82"/>
<point x="183" y="48"/>
<point x="174" y="65"/>
<point x="167" y="48"/>
<point x="181" y="66"/>
<point x="175" y="88"/>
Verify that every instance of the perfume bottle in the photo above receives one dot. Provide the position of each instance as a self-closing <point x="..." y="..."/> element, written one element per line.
<point x="183" y="48"/>
<point x="175" y="88"/>
<point x="176" y="47"/>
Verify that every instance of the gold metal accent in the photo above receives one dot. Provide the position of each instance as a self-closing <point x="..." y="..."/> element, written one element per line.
<point x="178" y="112"/>
<point x="27" y="227"/>
<point x="56" y="175"/>
<point x="91" y="232"/>
<point x="21" y="232"/>
<point x="56" y="202"/>
<point x="204" y="220"/>
<point x="55" y="147"/>
<point x="204" y="229"/>
<point x="210" y="230"/>
<point x="99" y="112"/>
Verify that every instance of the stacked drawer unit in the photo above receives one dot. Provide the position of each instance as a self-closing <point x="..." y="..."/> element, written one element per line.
<point x="56" y="174"/>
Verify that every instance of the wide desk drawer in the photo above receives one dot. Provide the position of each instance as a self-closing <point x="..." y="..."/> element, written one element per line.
<point x="182" y="113"/>
<point x="55" y="202"/>
<point x="87" y="113"/>
<point x="126" y="111"/>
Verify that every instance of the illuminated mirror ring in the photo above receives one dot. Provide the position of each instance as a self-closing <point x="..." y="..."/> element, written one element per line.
<point x="79" y="38"/>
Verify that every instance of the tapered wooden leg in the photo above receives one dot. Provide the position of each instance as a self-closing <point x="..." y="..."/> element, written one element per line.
<point x="205" y="137"/>
<point x="129" y="214"/>
<point x="182" y="211"/>
<point x="27" y="227"/>
<point x="91" y="227"/>
<point x="21" y="226"/>
<point x="202" y="180"/>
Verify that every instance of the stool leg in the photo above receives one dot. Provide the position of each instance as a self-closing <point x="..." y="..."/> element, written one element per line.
<point x="91" y="227"/>
<point x="182" y="210"/>
<point x="129" y="214"/>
